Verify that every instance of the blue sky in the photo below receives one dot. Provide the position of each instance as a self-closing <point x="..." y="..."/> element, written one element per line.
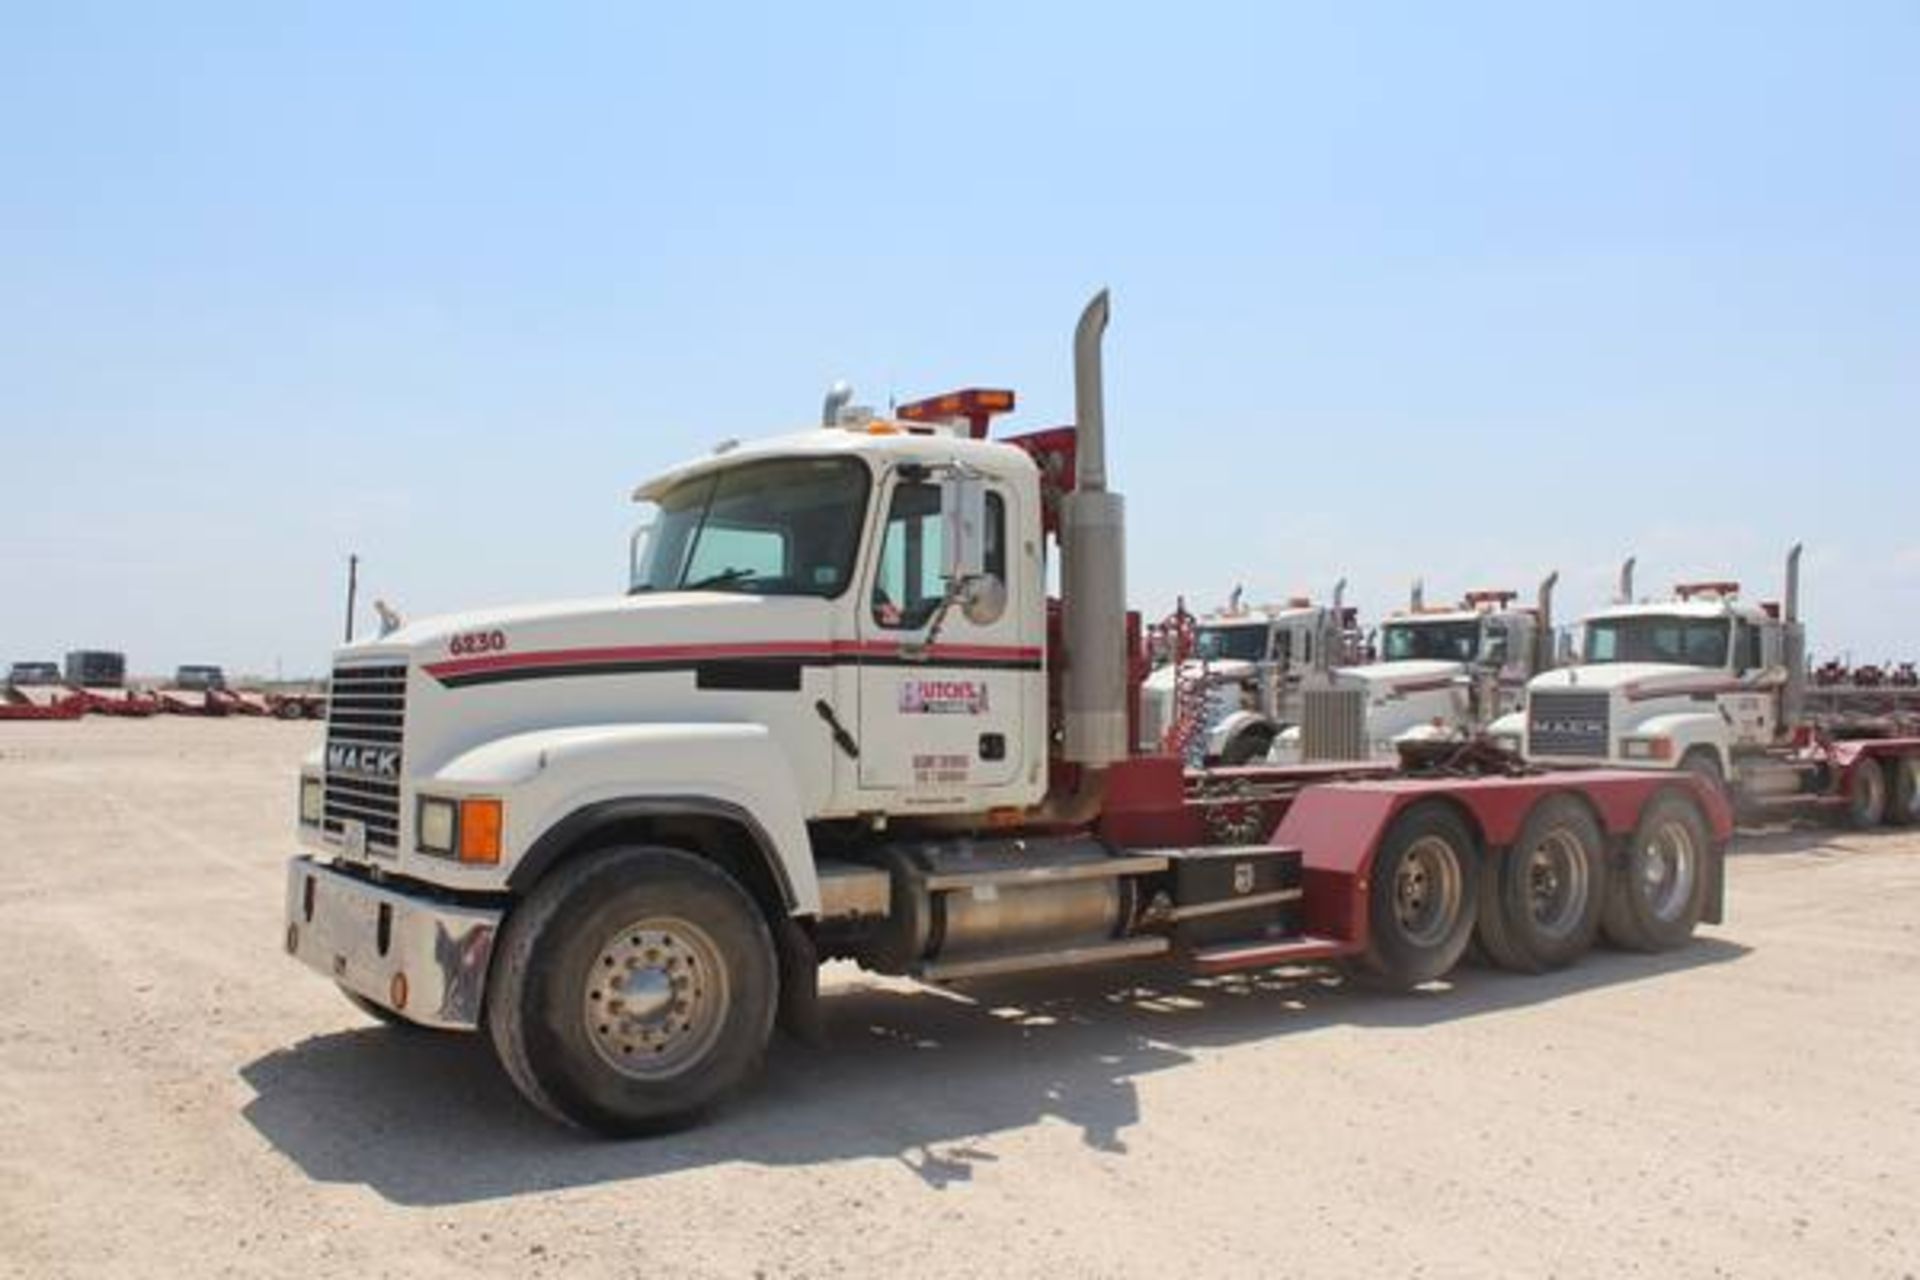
<point x="1466" y="292"/>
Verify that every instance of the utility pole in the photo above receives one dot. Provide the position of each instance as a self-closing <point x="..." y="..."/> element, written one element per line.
<point x="353" y="587"/>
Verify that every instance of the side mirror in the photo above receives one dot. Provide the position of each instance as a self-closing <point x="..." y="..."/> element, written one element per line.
<point x="963" y="514"/>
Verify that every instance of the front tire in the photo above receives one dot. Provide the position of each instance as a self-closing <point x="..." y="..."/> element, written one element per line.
<point x="1540" y="907"/>
<point x="1656" y="899"/>
<point x="1420" y="907"/>
<point x="1247" y="747"/>
<point x="634" y="990"/>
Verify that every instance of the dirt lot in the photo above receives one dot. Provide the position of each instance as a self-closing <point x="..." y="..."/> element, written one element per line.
<point x="176" y="1098"/>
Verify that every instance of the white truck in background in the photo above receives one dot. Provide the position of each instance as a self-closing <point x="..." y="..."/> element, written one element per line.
<point x="1441" y="676"/>
<point x="1234" y="678"/>
<point x="1705" y="683"/>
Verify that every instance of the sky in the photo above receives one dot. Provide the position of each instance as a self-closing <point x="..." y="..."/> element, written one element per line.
<point x="1462" y="292"/>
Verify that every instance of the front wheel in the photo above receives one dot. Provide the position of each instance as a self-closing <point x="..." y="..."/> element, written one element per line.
<point x="1420" y="904"/>
<point x="635" y="988"/>
<point x="1656" y="899"/>
<point x="1248" y="746"/>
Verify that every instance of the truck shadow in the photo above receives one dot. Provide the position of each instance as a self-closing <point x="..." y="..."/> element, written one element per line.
<point x="919" y="1077"/>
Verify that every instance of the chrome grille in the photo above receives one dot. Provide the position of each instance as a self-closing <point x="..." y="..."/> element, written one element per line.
<point x="1567" y="723"/>
<point x="1334" y="724"/>
<point x="366" y="716"/>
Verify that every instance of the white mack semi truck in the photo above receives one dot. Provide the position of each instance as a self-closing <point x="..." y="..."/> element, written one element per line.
<point x="838" y="717"/>
<point x="1706" y="683"/>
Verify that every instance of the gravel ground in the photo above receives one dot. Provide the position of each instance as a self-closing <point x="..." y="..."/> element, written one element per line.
<point x="177" y="1098"/>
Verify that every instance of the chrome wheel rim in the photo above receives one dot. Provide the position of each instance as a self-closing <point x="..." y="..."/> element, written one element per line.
<point x="1427" y="891"/>
<point x="656" y="998"/>
<point x="1667" y="865"/>
<point x="1557" y="884"/>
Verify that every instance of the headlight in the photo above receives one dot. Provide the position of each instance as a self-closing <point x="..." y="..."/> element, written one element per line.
<point x="435" y="828"/>
<point x="1507" y="742"/>
<point x="471" y="829"/>
<point x="1646" y="748"/>
<point x="313" y="801"/>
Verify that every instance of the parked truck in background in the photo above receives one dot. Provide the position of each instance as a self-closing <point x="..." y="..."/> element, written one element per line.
<point x="1708" y="684"/>
<point x="1234" y="683"/>
<point x="1442" y="675"/>
<point x="838" y="717"/>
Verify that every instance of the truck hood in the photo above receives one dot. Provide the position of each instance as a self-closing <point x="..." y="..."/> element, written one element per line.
<point x="1649" y="677"/>
<point x="721" y="619"/>
<point x="1412" y="675"/>
<point x="1162" y="679"/>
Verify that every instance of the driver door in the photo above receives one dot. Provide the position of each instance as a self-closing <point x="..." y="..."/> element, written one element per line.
<point x="943" y="723"/>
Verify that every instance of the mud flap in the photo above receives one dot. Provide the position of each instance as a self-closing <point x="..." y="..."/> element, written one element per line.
<point x="799" y="1013"/>
<point x="1713" y="907"/>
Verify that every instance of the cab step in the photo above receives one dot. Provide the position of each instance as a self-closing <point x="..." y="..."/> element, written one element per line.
<point x="1062" y="958"/>
<point x="1234" y="956"/>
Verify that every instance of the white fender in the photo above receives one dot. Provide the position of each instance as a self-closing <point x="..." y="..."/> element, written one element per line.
<point x="1687" y="729"/>
<point x="545" y="775"/>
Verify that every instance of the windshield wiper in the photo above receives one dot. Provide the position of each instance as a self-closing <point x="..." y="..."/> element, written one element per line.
<point x="724" y="578"/>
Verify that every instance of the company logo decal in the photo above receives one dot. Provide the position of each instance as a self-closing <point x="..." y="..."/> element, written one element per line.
<point x="943" y="698"/>
<point x="364" y="762"/>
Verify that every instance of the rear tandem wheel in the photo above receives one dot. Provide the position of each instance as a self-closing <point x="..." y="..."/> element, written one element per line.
<point x="1420" y="903"/>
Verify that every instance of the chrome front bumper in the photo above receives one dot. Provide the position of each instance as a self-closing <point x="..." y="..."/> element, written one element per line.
<point x="425" y="960"/>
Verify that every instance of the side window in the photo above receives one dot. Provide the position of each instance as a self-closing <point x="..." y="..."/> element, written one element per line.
<point x="907" y="588"/>
<point x="1749" y="648"/>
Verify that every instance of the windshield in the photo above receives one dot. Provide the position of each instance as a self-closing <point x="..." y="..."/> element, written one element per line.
<point x="785" y="526"/>
<point x="1440" y="641"/>
<point x="1246" y="643"/>
<point x="1687" y="642"/>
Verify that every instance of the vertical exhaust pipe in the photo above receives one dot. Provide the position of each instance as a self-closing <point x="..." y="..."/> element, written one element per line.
<point x="1793" y="648"/>
<point x="1417" y="595"/>
<point x="1333" y="643"/>
<point x="1623" y="594"/>
<point x="839" y="395"/>
<point x="1543" y="645"/>
<point x="1093" y="570"/>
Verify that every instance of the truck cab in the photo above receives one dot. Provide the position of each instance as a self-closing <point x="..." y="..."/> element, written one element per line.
<point x="27" y="675"/>
<point x="788" y="645"/>
<point x="1442" y="673"/>
<point x="1693" y="682"/>
<point x="1238" y="688"/>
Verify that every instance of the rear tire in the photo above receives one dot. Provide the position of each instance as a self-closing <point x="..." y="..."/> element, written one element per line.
<point x="1655" y="899"/>
<point x="1424" y="886"/>
<point x="1866" y="795"/>
<point x="1540" y="906"/>
<point x="633" y="991"/>
<point x="1903" y="791"/>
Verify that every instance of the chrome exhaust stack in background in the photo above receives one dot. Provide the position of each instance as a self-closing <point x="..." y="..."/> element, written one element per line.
<point x="1093" y="572"/>
<point x="1793" y="647"/>
<point x="1417" y="595"/>
<point x="1623" y="594"/>
<point x="1544" y="647"/>
<point x="839" y="396"/>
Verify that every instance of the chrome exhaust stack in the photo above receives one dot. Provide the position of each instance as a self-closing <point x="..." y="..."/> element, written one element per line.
<point x="1417" y="595"/>
<point x="1623" y="594"/>
<point x="1793" y="647"/>
<point x="1543" y="643"/>
<point x="1093" y="573"/>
